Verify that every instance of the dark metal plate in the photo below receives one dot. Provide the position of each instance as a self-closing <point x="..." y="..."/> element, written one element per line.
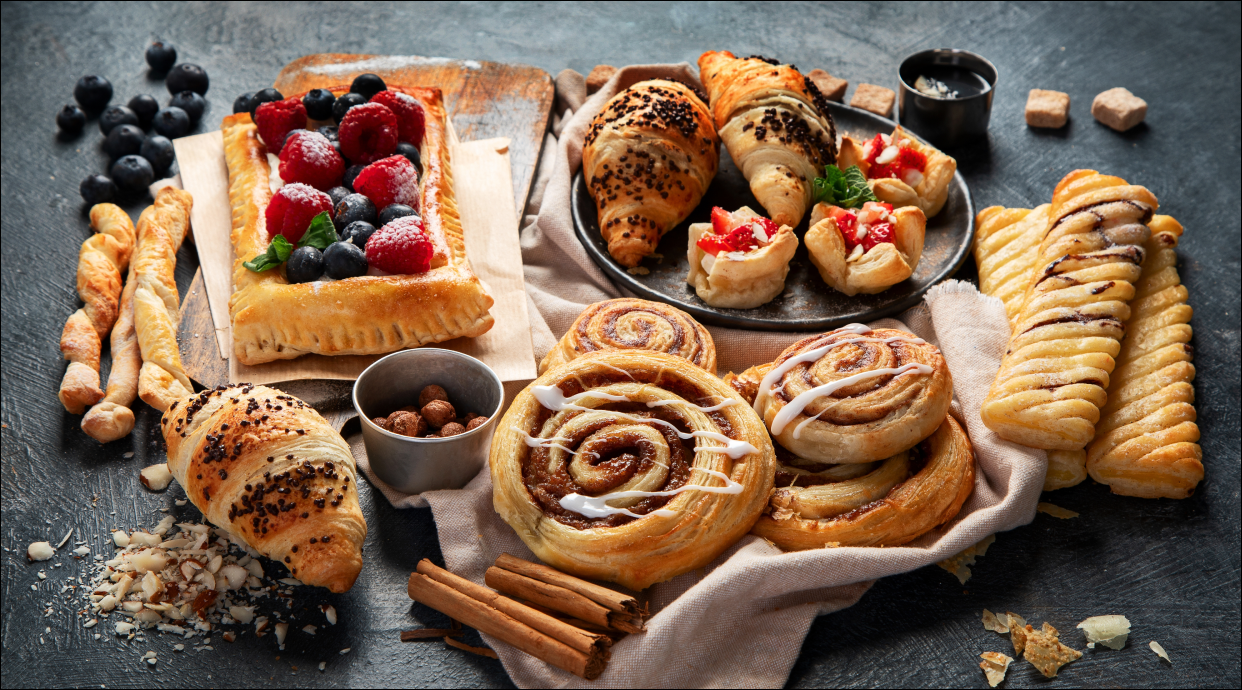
<point x="807" y="303"/>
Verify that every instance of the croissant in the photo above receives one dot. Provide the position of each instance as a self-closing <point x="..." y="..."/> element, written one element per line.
<point x="265" y="467"/>
<point x="634" y="324"/>
<point x="777" y="127"/>
<point x="748" y="277"/>
<point x="101" y="260"/>
<point x="648" y="157"/>
<point x="1053" y="378"/>
<point x="901" y="170"/>
<point x="162" y="379"/>
<point x="1146" y="442"/>
<point x="845" y="261"/>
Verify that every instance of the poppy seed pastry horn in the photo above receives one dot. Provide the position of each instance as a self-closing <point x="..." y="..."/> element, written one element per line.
<point x="265" y="467"/>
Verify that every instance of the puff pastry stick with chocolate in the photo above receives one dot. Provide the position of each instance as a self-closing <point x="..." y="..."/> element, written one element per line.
<point x="101" y="261"/>
<point x="162" y="379"/>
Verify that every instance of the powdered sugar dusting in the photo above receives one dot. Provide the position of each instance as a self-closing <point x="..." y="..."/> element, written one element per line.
<point x="390" y="62"/>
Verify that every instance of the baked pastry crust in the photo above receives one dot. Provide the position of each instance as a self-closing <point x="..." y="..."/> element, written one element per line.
<point x="878" y="268"/>
<point x="273" y="319"/>
<point x="648" y="157"/>
<point x="741" y="280"/>
<point x="601" y="446"/>
<point x="634" y="324"/>
<point x="929" y="194"/>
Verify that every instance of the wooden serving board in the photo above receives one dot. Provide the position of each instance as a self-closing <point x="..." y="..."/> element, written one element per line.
<point x="483" y="99"/>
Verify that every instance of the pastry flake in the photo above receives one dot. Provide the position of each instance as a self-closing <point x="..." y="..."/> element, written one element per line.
<point x="995" y="623"/>
<point x="865" y="251"/>
<point x="373" y="314"/>
<point x="902" y="170"/>
<point x="994" y="666"/>
<point x="959" y="565"/>
<point x="1046" y="652"/>
<point x="1110" y="631"/>
<point x="740" y="259"/>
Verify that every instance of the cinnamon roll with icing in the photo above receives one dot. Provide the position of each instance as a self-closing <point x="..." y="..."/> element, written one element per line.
<point x="630" y="466"/>
<point x="634" y="324"/>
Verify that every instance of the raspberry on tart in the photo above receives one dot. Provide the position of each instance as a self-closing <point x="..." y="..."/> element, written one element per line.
<point x="276" y="119"/>
<point x="402" y="246"/>
<point x="411" y="120"/>
<point x="292" y="208"/>
<point x="368" y="132"/>
<point x="392" y="180"/>
<point x="308" y="157"/>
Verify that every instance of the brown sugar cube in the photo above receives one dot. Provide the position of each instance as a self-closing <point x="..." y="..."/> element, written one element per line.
<point x="429" y="393"/>
<point x="832" y="88"/>
<point x="438" y="413"/>
<point x="875" y="99"/>
<point x="475" y="423"/>
<point x="1047" y="108"/>
<point x="1119" y="109"/>
<point x="452" y="429"/>
<point x="406" y="423"/>
<point x="598" y="77"/>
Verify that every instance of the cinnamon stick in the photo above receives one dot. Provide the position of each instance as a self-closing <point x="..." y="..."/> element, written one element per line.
<point x="611" y="599"/>
<point x="427" y="634"/>
<point x="484" y="618"/>
<point x="588" y="643"/>
<point x="558" y="599"/>
<point x="481" y="651"/>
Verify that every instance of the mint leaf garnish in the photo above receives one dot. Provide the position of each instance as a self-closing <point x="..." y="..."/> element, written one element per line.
<point x="277" y="253"/>
<point x="846" y="189"/>
<point x="321" y="233"/>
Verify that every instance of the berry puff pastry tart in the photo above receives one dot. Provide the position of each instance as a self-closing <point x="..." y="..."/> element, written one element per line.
<point x="348" y="239"/>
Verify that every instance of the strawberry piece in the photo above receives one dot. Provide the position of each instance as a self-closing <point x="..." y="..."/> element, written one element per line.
<point x="276" y="119"/>
<point x="401" y="247"/>
<point x="877" y="147"/>
<point x="722" y="221"/>
<point x="878" y="234"/>
<point x="908" y="158"/>
<point x="308" y="157"/>
<point x="368" y="132"/>
<point x="411" y="120"/>
<point x="733" y="234"/>
<point x="393" y="180"/>
<point x="292" y="208"/>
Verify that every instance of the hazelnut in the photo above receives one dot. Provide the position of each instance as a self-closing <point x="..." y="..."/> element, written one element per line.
<point x="381" y="422"/>
<point x="475" y="423"/>
<point x="438" y="413"/>
<point x="407" y="423"/>
<point x="432" y="392"/>
<point x="452" y="429"/>
<point x="408" y="408"/>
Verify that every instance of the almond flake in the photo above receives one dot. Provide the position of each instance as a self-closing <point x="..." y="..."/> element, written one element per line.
<point x="65" y="540"/>
<point x="156" y="477"/>
<point x="345" y="651"/>
<point x="1110" y="631"/>
<point x="309" y="629"/>
<point x="1055" y="511"/>
<point x="995" y="623"/>
<point x="323" y="665"/>
<point x="1159" y="650"/>
<point x="994" y="666"/>
<point x="329" y="612"/>
<point x="40" y="551"/>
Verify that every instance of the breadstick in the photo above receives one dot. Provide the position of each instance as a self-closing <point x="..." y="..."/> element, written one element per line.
<point x="1146" y="443"/>
<point x="102" y="258"/>
<point x="162" y="379"/>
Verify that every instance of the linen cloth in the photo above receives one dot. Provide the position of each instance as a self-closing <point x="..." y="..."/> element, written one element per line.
<point x="740" y="621"/>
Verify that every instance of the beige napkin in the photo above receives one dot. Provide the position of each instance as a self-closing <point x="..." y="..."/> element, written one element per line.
<point x="739" y="622"/>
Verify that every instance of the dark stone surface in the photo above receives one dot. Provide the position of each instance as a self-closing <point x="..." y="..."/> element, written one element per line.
<point x="1171" y="566"/>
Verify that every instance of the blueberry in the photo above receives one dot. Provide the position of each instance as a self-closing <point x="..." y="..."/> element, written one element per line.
<point x="367" y="85"/>
<point x="161" y="56"/>
<point x="97" y="189"/>
<point x="115" y="115"/>
<point x="344" y="260"/>
<point x="351" y="174"/>
<point x="410" y="151"/>
<point x="358" y="232"/>
<point x="392" y="212"/>
<point x="159" y="152"/>
<point x="123" y="140"/>
<point x="319" y="104"/>
<point x="133" y="174"/>
<point x="171" y="122"/>
<point x="268" y="95"/>
<point x="70" y="119"/>
<point x="329" y="132"/>
<point x="242" y="104"/>
<point x="145" y="107"/>
<point x="304" y="265"/>
<point x="344" y="103"/>
<point x="187" y="77"/>
<point x="338" y="193"/>
<point x="353" y="207"/>
<point x="192" y="103"/>
<point x="92" y="92"/>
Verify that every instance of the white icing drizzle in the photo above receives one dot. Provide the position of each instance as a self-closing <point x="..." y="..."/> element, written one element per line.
<point x="597" y="506"/>
<point x="799" y="403"/>
<point x="661" y="403"/>
<point x="552" y="398"/>
<point x="536" y="442"/>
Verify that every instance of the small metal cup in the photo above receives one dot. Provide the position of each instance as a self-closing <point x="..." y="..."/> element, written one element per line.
<point x="415" y="465"/>
<point x="946" y="122"/>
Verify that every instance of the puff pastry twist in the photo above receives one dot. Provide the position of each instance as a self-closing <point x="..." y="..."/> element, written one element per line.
<point x="593" y="466"/>
<point x="156" y="303"/>
<point x="876" y="269"/>
<point x="1146" y="442"/>
<point x="634" y="324"/>
<point x="777" y="127"/>
<point x="101" y="260"/>
<point x="892" y="503"/>
<point x="265" y="467"/>
<point x="1053" y="378"/>
<point x="648" y="157"/>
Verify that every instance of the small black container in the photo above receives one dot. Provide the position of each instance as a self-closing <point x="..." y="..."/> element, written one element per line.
<point x="948" y="122"/>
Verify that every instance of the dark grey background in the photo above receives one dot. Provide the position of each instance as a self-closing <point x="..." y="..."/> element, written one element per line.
<point x="1171" y="566"/>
